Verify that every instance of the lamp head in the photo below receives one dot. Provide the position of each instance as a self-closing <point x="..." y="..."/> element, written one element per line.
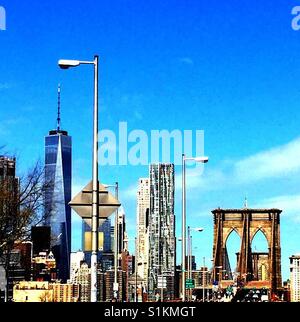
<point x="65" y="64"/>
<point x="202" y="159"/>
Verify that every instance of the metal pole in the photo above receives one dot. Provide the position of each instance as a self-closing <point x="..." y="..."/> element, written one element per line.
<point x="203" y="280"/>
<point x="191" y="264"/>
<point x="116" y="250"/>
<point x="135" y="293"/>
<point x="188" y="251"/>
<point x="95" y="208"/>
<point x="183" y="228"/>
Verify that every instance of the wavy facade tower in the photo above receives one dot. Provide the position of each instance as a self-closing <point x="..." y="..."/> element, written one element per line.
<point x="162" y="250"/>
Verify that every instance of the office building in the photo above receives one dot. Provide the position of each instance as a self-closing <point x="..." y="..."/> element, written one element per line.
<point x="143" y="205"/>
<point x="32" y="292"/>
<point x="44" y="267"/>
<point x="109" y="282"/>
<point x="82" y="277"/>
<point x="8" y="182"/>
<point x="58" y="172"/>
<point x="66" y="293"/>
<point x="41" y="240"/>
<point x="121" y="231"/>
<point x="295" y="278"/>
<point x="45" y="292"/>
<point x="76" y="260"/>
<point x="105" y="258"/>
<point x="161" y="229"/>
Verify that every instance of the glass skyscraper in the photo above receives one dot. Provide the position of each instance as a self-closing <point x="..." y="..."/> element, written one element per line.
<point x="58" y="171"/>
<point x="105" y="251"/>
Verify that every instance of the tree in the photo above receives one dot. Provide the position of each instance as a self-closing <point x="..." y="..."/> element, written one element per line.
<point x="21" y="207"/>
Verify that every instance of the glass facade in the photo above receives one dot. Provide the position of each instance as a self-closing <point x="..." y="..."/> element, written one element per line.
<point x="58" y="171"/>
<point x="104" y="243"/>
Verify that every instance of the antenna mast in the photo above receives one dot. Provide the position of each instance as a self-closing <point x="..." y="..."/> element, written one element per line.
<point x="58" y="108"/>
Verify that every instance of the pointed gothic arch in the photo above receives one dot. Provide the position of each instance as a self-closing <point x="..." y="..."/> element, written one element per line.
<point x="248" y="223"/>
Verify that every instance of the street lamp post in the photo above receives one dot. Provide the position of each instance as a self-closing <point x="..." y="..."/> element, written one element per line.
<point x="116" y="258"/>
<point x="136" y="272"/>
<point x="203" y="281"/>
<point x="65" y="64"/>
<point x="184" y="159"/>
<point x="190" y="254"/>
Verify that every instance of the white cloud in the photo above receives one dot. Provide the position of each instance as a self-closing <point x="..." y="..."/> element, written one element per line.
<point x="290" y="204"/>
<point x="130" y="193"/>
<point x="276" y="162"/>
<point x="7" y="126"/>
<point x="5" y="86"/>
<point x="186" y="60"/>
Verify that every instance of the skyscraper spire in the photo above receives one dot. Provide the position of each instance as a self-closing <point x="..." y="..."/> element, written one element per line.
<point x="58" y="108"/>
<point x="246" y="203"/>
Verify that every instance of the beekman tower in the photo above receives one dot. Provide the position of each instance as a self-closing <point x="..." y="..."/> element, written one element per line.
<point x="58" y="171"/>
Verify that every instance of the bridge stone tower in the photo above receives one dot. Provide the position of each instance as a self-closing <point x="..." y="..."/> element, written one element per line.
<point x="247" y="222"/>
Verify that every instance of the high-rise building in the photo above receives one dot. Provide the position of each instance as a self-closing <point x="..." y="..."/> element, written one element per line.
<point x="121" y="230"/>
<point x="76" y="260"/>
<point x="109" y="282"/>
<point x="44" y="267"/>
<point x="9" y="184"/>
<point x="82" y="277"/>
<point x="41" y="240"/>
<point x="7" y="167"/>
<point x="295" y="278"/>
<point x="65" y="293"/>
<point x="104" y="232"/>
<point x="58" y="171"/>
<point x="143" y="205"/>
<point x="161" y="229"/>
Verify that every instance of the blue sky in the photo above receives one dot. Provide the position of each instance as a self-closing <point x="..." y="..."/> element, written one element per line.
<point x="228" y="68"/>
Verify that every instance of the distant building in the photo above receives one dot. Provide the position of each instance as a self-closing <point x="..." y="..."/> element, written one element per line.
<point x="109" y="281"/>
<point x="45" y="292"/>
<point x="41" y="239"/>
<point x="127" y="266"/>
<point x="58" y="171"/>
<point x="122" y="231"/>
<point x="162" y="249"/>
<point x="9" y="182"/>
<point x="19" y="268"/>
<point x="44" y="267"/>
<point x="32" y="292"/>
<point x="76" y="260"/>
<point x="83" y="278"/>
<point x="143" y="205"/>
<point x="65" y="293"/>
<point x="8" y="168"/>
<point x="104" y="243"/>
<point x="295" y="278"/>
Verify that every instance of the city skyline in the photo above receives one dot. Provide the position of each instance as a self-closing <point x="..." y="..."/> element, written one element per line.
<point x="231" y="76"/>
